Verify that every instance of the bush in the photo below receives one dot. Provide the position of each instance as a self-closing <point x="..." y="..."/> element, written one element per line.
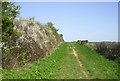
<point x="110" y="50"/>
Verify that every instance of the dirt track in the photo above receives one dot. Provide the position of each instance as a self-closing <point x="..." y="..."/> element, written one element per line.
<point x="83" y="69"/>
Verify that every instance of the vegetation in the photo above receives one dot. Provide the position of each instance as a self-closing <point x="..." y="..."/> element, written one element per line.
<point x="9" y="13"/>
<point x="15" y="52"/>
<point x="62" y="64"/>
<point x="50" y="24"/>
<point x="32" y="18"/>
<point x="55" y="31"/>
<point x="59" y="64"/>
<point x="9" y="35"/>
<point x="98" y="66"/>
<point x="110" y="50"/>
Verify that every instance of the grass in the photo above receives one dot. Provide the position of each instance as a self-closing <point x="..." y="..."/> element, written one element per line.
<point x="43" y="68"/>
<point x="60" y="64"/>
<point x="70" y="68"/>
<point x="98" y="66"/>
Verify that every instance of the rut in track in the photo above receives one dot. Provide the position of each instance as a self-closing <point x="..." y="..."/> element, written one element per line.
<point x="83" y="69"/>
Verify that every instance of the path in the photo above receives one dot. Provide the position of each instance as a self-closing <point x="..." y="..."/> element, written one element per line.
<point x="83" y="70"/>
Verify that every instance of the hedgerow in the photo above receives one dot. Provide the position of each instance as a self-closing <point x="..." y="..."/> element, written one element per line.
<point x="110" y="50"/>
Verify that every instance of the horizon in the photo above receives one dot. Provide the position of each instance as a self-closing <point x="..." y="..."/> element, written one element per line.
<point x="94" y="21"/>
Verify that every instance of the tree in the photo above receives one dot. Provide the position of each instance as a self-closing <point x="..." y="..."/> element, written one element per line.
<point x="9" y="12"/>
<point x="32" y="18"/>
<point x="50" y="24"/>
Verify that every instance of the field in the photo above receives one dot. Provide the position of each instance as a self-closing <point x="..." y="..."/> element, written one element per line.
<point x="69" y="61"/>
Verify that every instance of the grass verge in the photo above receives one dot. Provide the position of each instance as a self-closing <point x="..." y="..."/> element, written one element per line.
<point x="98" y="66"/>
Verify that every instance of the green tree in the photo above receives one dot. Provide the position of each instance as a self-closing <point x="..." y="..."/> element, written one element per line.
<point x="9" y="12"/>
<point x="32" y="18"/>
<point x="50" y="24"/>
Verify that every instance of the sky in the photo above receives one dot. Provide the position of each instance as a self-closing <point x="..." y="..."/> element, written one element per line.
<point x="95" y="21"/>
<point x="65" y="0"/>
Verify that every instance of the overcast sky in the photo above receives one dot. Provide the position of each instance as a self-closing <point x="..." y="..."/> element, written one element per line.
<point x="95" y="21"/>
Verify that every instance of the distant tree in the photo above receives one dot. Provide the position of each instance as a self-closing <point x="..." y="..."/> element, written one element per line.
<point x="50" y="24"/>
<point x="54" y="30"/>
<point x="9" y="12"/>
<point x="32" y="18"/>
